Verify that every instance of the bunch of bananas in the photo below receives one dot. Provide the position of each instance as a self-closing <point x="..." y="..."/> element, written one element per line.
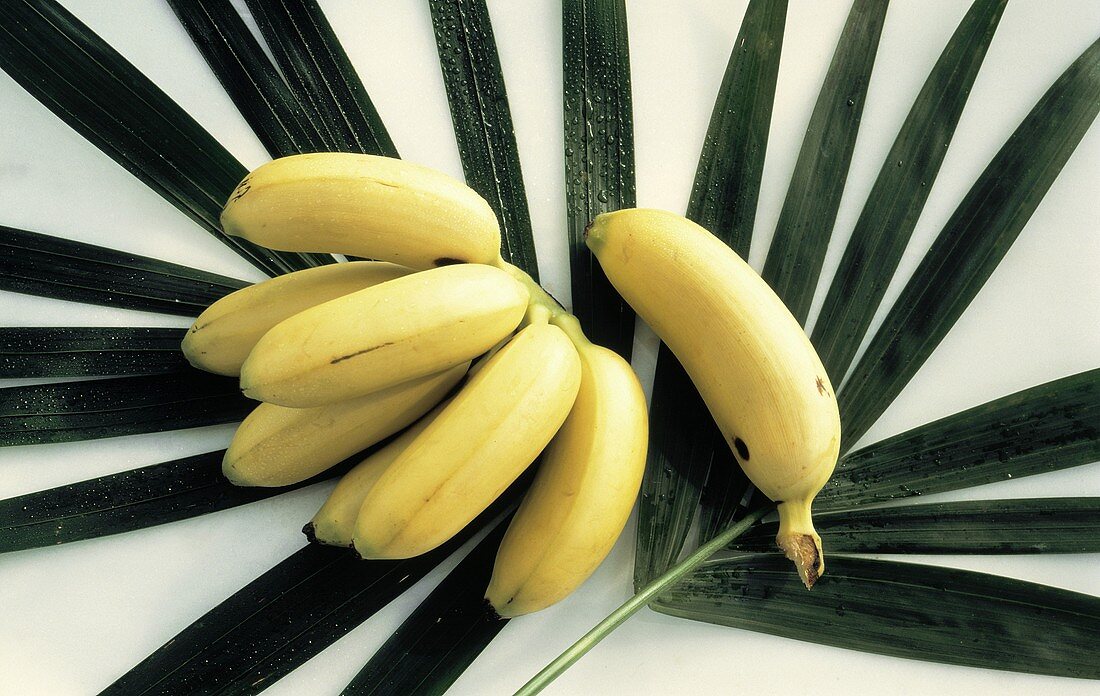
<point x="473" y="370"/>
<point x="461" y="359"/>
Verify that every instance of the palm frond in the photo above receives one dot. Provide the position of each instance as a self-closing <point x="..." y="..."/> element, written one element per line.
<point x="92" y="409"/>
<point x="900" y="609"/>
<point x="683" y="437"/>
<point x="483" y="122"/>
<point x="98" y="93"/>
<point x="38" y="264"/>
<point x="92" y="351"/>
<point x="806" y="221"/>
<point x="1034" y="525"/>
<point x="900" y="191"/>
<point x="1052" y="426"/>
<point x="599" y="156"/>
<point x="972" y="243"/>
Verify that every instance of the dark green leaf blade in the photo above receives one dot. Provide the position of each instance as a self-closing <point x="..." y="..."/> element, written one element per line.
<point x="901" y="609"/>
<point x="39" y="264"/>
<point x="321" y="76"/>
<point x="599" y="156"/>
<point x="684" y="441"/>
<point x="813" y="197"/>
<point x="98" y="93"/>
<point x="92" y="409"/>
<point x="972" y="243"/>
<point x="93" y="351"/>
<point x="900" y="191"/>
<point x="1052" y="426"/>
<point x="248" y="76"/>
<point x="439" y="640"/>
<point x="721" y="500"/>
<point x="124" y="502"/>
<point x="483" y="122"/>
<point x="1032" y="525"/>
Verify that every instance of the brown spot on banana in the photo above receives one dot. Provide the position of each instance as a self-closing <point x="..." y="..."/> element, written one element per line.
<point x="821" y="386"/>
<point x="349" y="356"/>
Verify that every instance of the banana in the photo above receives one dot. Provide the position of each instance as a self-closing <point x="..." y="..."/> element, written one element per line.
<point x="277" y="446"/>
<point x="224" y="334"/>
<point x="334" y="523"/>
<point x="582" y="495"/>
<point x="752" y="363"/>
<point x="478" y="445"/>
<point x="374" y="338"/>
<point x="376" y="207"/>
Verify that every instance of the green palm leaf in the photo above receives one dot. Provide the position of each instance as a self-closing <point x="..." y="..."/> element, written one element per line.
<point x="813" y="197"/>
<point x="102" y="96"/>
<point x="483" y="122"/>
<point x="684" y="440"/>
<point x="89" y="351"/>
<point x="88" y="410"/>
<point x="599" y="156"/>
<point x="1036" y="525"/>
<point x="1046" y="428"/>
<point x="38" y="264"/>
<point x="972" y="243"/>
<point x="900" y="191"/>
<point x="900" y="609"/>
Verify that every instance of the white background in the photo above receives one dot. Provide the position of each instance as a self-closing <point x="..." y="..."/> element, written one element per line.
<point x="77" y="617"/>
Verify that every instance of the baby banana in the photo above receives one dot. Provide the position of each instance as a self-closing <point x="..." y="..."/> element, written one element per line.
<point x="474" y="449"/>
<point x="278" y="446"/>
<point x="374" y="338"/>
<point x="223" y="335"/>
<point x="752" y="363"/>
<point x="334" y="523"/>
<point x="582" y="495"/>
<point x="364" y="205"/>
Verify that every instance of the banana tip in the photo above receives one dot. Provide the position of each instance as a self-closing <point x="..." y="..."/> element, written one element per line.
<point x="805" y="551"/>
<point x="311" y="533"/>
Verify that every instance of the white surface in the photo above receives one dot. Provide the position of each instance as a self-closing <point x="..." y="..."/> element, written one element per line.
<point x="76" y="617"/>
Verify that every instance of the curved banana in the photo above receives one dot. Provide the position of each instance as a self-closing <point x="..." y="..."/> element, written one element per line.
<point x="334" y="523"/>
<point x="752" y="363"/>
<point x="365" y="205"/>
<point x="474" y="449"/>
<point x="224" y="334"/>
<point x="277" y="446"/>
<point x="582" y="495"/>
<point x="374" y="338"/>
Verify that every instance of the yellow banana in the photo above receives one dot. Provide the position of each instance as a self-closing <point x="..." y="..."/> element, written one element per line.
<point x="365" y="205"/>
<point x="278" y="446"/>
<point x="478" y="445"/>
<point x="334" y="523"/>
<point x="745" y="352"/>
<point x="582" y="495"/>
<point x="374" y="338"/>
<point x="223" y="335"/>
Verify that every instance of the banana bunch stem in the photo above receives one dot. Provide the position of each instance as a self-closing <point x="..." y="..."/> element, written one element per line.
<point x="543" y="308"/>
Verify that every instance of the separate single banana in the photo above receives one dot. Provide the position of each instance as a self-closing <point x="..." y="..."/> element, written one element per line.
<point x="474" y="449"/>
<point x="751" y="361"/>
<point x="375" y="207"/>
<point x="372" y="339"/>
<point x="583" y="492"/>
<point x="334" y="523"/>
<point x="278" y="446"/>
<point x="223" y="335"/>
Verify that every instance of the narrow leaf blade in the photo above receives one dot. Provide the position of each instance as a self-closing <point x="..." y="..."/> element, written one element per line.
<point x="684" y="440"/>
<point x="813" y="197"/>
<point x="88" y="410"/>
<point x="106" y="99"/>
<point x="1052" y="426"/>
<point x="972" y="243"/>
<point x="599" y="156"/>
<point x="483" y="122"/>
<point x="38" y="264"/>
<point x="901" y="609"/>
<point x="1024" y="526"/>
<point x="900" y="191"/>
<point x="89" y="351"/>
